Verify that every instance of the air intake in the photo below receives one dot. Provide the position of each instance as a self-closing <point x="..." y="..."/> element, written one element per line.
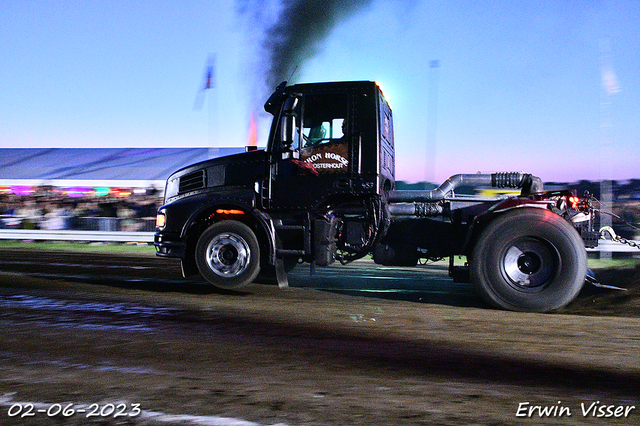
<point x="192" y="181"/>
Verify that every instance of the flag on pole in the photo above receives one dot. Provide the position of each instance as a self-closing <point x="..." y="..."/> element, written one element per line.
<point x="207" y="83"/>
<point x="209" y="75"/>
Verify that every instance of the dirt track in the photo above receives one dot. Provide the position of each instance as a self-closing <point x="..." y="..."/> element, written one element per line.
<point x="302" y="356"/>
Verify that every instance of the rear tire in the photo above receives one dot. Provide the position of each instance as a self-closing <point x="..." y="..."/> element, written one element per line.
<point x="228" y="255"/>
<point x="529" y="260"/>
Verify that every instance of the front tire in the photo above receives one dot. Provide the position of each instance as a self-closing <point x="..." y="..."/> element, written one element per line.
<point x="228" y="255"/>
<point x="529" y="260"/>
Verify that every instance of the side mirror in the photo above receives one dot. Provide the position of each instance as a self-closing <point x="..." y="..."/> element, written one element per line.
<point x="288" y="130"/>
<point x="274" y="101"/>
<point x="288" y="123"/>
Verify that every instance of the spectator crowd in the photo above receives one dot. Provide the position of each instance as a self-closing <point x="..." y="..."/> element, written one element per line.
<point x="54" y="209"/>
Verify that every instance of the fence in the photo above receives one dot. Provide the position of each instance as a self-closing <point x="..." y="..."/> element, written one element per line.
<point x="95" y="229"/>
<point x="62" y="235"/>
<point x="107" y="224"/>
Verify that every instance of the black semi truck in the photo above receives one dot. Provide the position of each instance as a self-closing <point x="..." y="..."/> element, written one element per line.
<point x="323" y="190"/>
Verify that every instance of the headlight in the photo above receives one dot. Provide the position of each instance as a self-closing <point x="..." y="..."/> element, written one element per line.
<point x="161" y="220"/>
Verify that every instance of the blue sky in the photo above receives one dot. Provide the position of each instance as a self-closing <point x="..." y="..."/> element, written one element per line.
<point x="518" y="87"/>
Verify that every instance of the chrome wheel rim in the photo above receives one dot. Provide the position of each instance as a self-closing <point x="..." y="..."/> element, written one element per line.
<point x="529" y="264"/>
<point x="228" y="255"/>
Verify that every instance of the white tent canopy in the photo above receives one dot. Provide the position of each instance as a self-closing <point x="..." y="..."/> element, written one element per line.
<point x="91" y="167"/>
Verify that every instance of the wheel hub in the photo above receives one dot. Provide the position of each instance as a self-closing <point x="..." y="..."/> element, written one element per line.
<point x="529" y="263"/>
<point x="228" y="255"/>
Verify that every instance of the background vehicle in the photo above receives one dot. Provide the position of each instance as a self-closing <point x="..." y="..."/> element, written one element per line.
<point x="324" y="190"/>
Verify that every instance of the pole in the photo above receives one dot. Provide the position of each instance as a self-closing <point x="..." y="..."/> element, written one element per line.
<point x="432" y="123"/>
<point x="609" y="87"/>
<point x="211" y="98"/>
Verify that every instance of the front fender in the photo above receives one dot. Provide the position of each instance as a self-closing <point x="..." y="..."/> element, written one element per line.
<point x="204" y="212"/>
<point x="196" y="211"/>
<point x="181" y="214"/>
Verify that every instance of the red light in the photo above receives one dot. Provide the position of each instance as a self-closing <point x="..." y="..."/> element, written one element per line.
<point x="574" y="201"/>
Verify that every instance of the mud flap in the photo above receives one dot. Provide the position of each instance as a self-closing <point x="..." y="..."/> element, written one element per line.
<point x="281" y="274"/>
<point x="188" y="267"/>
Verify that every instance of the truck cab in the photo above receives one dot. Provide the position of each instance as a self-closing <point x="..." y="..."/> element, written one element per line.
<point x="335" y="140"/>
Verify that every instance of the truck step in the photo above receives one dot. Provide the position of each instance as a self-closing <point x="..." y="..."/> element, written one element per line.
<point x="290" y="252"/>
<point x="290" y="227"/>
<point x="302" y="247"/>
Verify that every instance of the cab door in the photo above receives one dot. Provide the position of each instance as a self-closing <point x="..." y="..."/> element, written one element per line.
<point x="312" y="152"/>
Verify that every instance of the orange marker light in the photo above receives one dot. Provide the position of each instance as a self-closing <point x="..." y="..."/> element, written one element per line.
<point x="231" y="212"/>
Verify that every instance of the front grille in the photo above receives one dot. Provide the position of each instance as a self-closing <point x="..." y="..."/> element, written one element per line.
<point x="192" y="181"/>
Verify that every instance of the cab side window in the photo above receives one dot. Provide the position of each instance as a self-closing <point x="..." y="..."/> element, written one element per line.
<point x="324" y="134"/>
<point x="324" y="119"/>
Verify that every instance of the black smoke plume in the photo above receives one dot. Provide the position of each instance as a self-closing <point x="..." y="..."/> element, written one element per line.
<point x="297" y="33"/>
